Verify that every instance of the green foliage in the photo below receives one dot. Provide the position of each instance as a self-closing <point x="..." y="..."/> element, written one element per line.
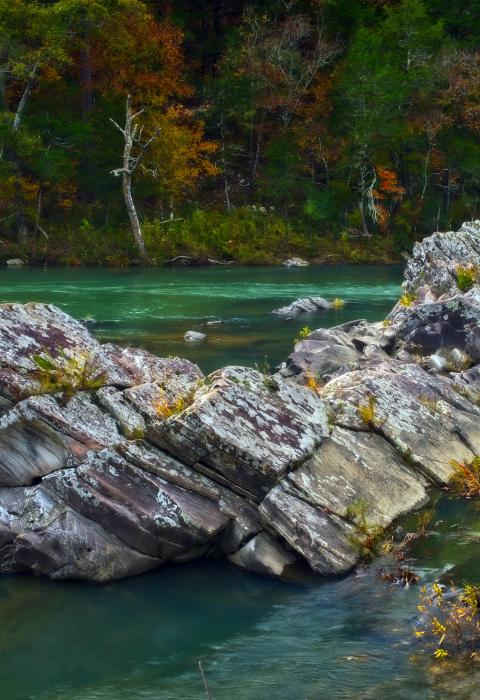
<point x="303" y="333"/>
<point x="466" y="277"/>
<point x="337" y="131"/>
<point x="70" y="371"/>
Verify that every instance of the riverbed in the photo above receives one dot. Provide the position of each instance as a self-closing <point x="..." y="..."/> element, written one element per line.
<point x="257" y="639"/>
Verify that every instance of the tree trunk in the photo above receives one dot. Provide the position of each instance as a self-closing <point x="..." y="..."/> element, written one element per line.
<point x="130" y="163"/>
<point x="127" y="184"/>
<point x="22" y="227"/>
<point x="361" y="207"/>
<point x="133" y="216"/>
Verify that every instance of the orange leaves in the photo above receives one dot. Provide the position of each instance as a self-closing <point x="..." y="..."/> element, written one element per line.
<point x="388" y="186"/>
<point x="389" y="192"/>
<point x="136" y="54"/>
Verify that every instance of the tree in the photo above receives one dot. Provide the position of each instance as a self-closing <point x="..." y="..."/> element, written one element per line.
<point x="133" y="153"/>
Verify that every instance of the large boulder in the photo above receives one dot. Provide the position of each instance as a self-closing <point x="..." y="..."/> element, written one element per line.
<point x="435" y="260"/>
<point x="426" y="328"/>
<point x="325" y="351"/>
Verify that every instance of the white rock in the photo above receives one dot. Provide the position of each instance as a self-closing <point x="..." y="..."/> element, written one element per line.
<point x="437" y="363"/>
<point x="15" y="262"/>
<point x="296" y="262"/>
<point x="194" y="337"/>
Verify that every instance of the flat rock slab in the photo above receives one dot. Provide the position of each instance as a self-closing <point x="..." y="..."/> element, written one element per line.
<point x="353" y="467"/>
<point x="45" y="536"/>
<point x="141" y="509"/>
<point x="173" y="374"/>
<point x="426" y="420"/>
<point x="39" y="436"/>
<point x="245" y="429"/>
<point x="323" y="539"/>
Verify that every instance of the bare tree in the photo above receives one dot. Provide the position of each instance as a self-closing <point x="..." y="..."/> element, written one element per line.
<point x="133" y="152"/>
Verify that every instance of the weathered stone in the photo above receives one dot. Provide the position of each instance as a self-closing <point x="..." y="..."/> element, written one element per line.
<point x="47" y="537"/>
<point x="437" y="363"/>
<point x="30" y="329"/>
<point x="423" y="417"/>
<point x="264" y="555"/>
<point x="324" y="540"/>
<point x="15" y="262"/>
<point x="326" y="351"/>
<point x="245" y="428"/>
<point x="296" y="262"/>
<point x="353" y="467"/>
<point x="142" y="510"/>
<point x="301" y="306"/>
<point x="435" y="259"/>
<point x="40" y="436"/>
<point x="173" y="374"/>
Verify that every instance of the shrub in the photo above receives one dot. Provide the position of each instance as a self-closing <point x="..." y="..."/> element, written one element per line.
<point x="368" y="538"/>
<point x="407" y="299"/>
<point x="451" y="625"/>
<point x="303" y="333"/>
<point x="466" y="478"/>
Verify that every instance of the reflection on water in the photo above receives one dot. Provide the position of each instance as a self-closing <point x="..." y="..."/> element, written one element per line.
<point x="258" y="639"/>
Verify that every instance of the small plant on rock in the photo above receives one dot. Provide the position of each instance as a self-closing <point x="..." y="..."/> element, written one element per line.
<point x="313" y="384"/>
<point x="466" y="478"/>
<point x="407" y="299"/>
<point x="368" y="538"/>
<point x="466" y="277"/>
<point x="269" y="382"/>
<point x="70" y="371"/>
<point x="303" y="333"/>
<point x="367" y="411"/>
<point x="165" y="409"/>
<point x="337" y="303"/>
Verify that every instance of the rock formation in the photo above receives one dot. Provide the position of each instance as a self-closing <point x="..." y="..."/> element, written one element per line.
<point x="114" y="462"/>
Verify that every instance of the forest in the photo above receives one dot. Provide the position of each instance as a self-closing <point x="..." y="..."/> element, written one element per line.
<point x="330" y="129"/>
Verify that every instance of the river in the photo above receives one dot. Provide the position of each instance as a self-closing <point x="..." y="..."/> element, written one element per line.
<point x="257" y="639"/>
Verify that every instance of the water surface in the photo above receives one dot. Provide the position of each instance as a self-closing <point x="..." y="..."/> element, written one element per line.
<point x="154" y="307"/>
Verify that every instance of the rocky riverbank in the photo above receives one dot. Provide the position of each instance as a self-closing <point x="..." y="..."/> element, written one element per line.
<point x="114" y="462"/>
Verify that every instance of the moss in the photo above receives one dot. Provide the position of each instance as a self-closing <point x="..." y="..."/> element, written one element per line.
<point x="466" y="277"/>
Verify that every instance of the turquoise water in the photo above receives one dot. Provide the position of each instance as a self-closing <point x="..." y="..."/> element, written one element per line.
<point x="154" y="307"/>
<point x="258" y="639"/>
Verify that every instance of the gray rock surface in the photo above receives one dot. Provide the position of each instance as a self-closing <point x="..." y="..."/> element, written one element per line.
<point x="301" y="306"/>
